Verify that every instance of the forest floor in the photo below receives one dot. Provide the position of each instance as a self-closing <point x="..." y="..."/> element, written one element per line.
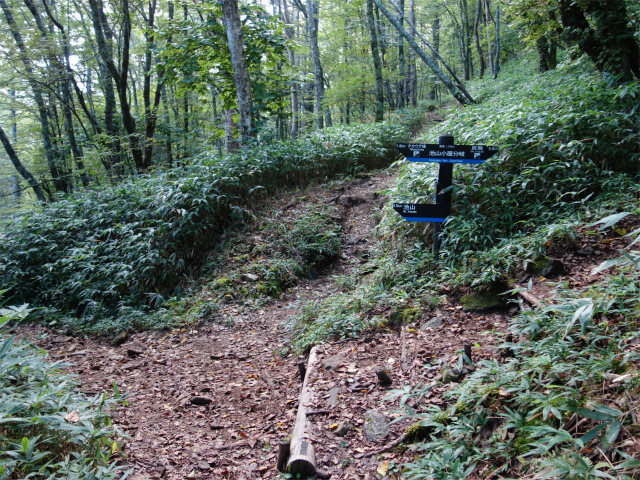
<point x="214" y="401"/>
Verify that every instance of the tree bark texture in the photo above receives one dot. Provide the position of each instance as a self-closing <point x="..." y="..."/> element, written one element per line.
<point x="611" y="46"/>
<point x="464" y="53"/>
<point x="487" y="22"/>
<point x="240" y="70"/>
<point x="150" y="111"/>
<point x="496" y="60"/>
<point x="401" y="69"/>
<point x="476" y="34"/>
<point x="413" y="75"/>
<point x="312" y="19"/>
<point x="435" y="33"/>
<point x="376" y="63"/>
<point x="288" y="31"/>
<point x="22" y="170"/>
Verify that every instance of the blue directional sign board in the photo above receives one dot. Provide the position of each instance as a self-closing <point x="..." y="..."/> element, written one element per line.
<point x="419" y="212"/>
<point x="426" y="152"/>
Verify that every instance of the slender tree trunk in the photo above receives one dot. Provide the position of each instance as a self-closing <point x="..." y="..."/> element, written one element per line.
<point x="151" y="111"/>
<point x="496" y="60"/>
<point x="216" y="117"/>
<point x="165" y="107"/>
<point x="57" y="173"/>
<point x="120" y="76"/>
<point x="17" y="192"/>
<point x="239" y="65"/>
<point x="463" y="40"/>
<point x="437" y="57"/>
<point x="376" y="63"/>
<point x="468" y="37"/>
<point x="383" y="49"/>
<point x="229" y="128"/>
<point x="167" y="121"/>
<point x="133" y="91"/>
<point x="435" y="33"/>
<point x="288" y="31"/>
<point x="413" y="75"/>
<point x="453" y="89"/>
<point x="401" y="72"/>
<point x="64" y="71"/>
<point x="490" y="47"/>
<point x="22" y="170"/>
<point x="13" y="116"/>
<point x="476" y="26"/>
<point x="312" y="19"/>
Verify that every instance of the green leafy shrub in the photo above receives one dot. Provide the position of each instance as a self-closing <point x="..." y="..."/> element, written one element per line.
<point x="36" y="441"/>
<point x="569" y="139"/>
<point x="288" y="248"/>
<point x="316" y="237"/>
<point x="569" y="151"/>
<point x="117" y="251"/>
<point x="567" y="354"/>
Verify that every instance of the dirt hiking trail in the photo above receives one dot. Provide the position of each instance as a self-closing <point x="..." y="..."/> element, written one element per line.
<point x="215" y="400"/>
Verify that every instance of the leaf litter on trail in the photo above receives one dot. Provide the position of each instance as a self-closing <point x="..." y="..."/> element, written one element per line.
<point x="254" y="391"/>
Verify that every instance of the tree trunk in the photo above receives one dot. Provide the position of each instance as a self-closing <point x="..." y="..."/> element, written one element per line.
<point x="456" y="81"/>
<point x="229" y="127"/>
<point x="435" y="33"/>
<point x="167" y="121"/>
<point x="64" y="73"/>
<point x="401" y="72"/>
<point x="453" y="89"/>
<point x="542" y="47"/>
<point x="383" y="50"/>
<point x="476" y="26"/>
<point x="57" y="172"/>
<point x="288" y="31"/>
<point x="468" y="38"/>
<point x="413" y="75"/>
<point x="216" y="118"/>
<point x="612" y="46"/>
<point x="496" y="60"/>
<point x="239" y="65"/>
<point x="463" y="40"/>
<point x="487" y="22"/>
<point x="312" y="19"/>
<point x="120" y="76"/>
<point x="151" y="111"/>
<point x="165" y="107"/>
<point x="376" y="63"/>
<point x="22" y="170"/>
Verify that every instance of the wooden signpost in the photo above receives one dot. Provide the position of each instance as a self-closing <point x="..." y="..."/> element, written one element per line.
<point x="446" y="154"/>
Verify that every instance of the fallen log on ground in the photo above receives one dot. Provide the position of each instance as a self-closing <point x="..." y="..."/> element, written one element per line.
<point x="529" y="297"/>
<point x="303" y="459"/>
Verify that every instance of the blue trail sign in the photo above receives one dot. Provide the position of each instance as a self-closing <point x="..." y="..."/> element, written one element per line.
<point x="446" y="154"/>
<point x="419" y="212"/>
<point x="443" y="153"/>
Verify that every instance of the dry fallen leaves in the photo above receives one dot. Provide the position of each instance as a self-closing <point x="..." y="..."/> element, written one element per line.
<point x="383" y="468"/>
<point x="73" y="417"/>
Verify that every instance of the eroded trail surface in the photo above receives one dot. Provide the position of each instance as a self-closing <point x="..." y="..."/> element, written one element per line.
<point x="215" y="400"/>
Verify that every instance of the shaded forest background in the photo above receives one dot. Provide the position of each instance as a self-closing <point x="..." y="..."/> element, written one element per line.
<point x="93" y="92"/>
